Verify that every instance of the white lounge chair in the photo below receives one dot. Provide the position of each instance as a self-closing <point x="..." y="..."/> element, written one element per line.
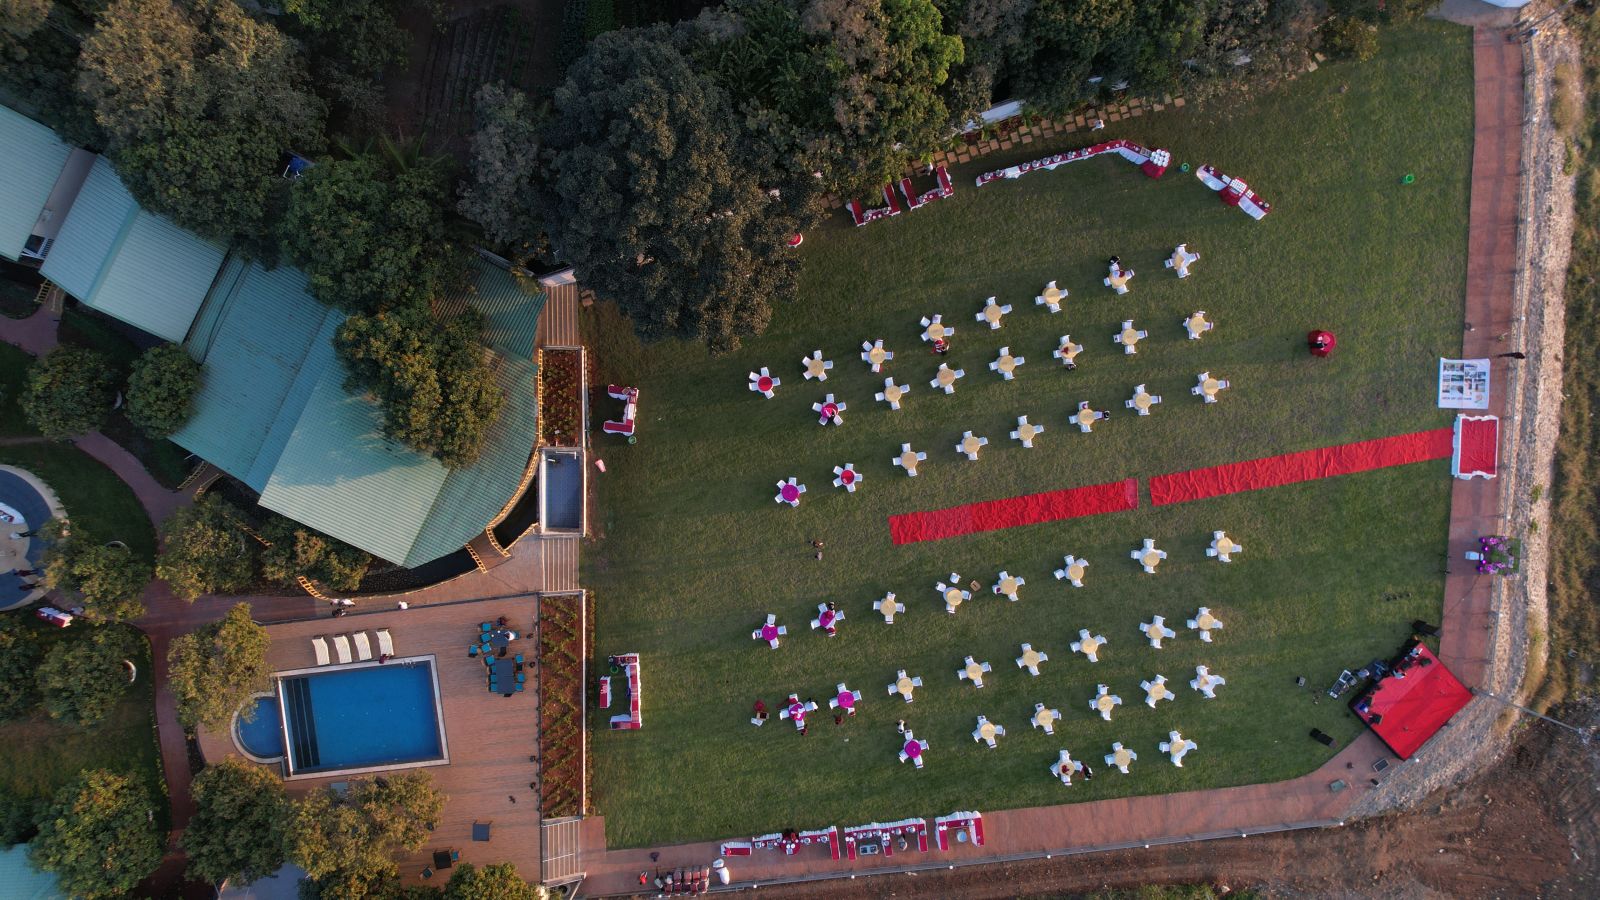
<point x="319" y="646"/>
<point x="385" y="644"/>
<point x="341" y="646"/>
<point x="363" y="645"/>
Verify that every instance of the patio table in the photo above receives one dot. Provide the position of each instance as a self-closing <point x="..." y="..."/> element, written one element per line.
<point x="1031" y="659"/>
<point x="934" y="330"/>
<point x="1122" y="757"/>
<point x="877" y="356"/>
<point x="1150" y="558"/>
<point x="970" y="445"/>
<point x="1206" y="621"/>
<point x="790" y="493"/>
<point x="1006" y="363"/>
<point x="1210" y="386"/>
<point x="946" y="376"/>
<point x="952" y="596"/>
<point x="904" y="686"/>
<point x="1085" y="417"/>
<point x="1196" y="324"/>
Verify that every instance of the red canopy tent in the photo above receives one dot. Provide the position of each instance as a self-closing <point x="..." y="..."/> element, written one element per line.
<point x="1409" y="706"/>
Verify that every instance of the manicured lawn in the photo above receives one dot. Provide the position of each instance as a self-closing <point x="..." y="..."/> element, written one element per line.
<point x="695" y="552"/>
<point x="38" y="755"/>
<point x="93" y="495"/>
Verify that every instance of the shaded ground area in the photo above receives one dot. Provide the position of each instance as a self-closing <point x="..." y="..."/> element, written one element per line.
<point x="1526" y="828"/>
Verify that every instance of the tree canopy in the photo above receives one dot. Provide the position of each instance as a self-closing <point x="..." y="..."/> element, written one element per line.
<point x="205" y="551"/>
<point x="108" y="579"/>
<point x="97" y="836"/>
<point x="70" y="391"/>
<point x="161" y="389"/>
<point x="20" y="654"/>
<point x="498" y="192"/>
<point x="493" y="882"/>
<point x="369" y="231"/>
<point x="199" y="100"/>
<point x="218" y="667"/>
<point x="430" y="377"/>
<point x="652" y="199"/>
<point x="237" y="831"/>
<point x="297" y="550"/>
<point x="81" y="679"/>
<point x="347" y="843"/>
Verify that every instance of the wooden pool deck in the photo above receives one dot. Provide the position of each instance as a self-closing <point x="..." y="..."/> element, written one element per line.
<point x="491" y="739"/>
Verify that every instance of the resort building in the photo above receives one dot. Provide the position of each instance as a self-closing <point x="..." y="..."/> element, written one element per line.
<point x="273" y="410"/>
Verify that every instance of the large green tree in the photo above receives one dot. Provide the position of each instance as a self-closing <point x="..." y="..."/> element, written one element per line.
<point x="205" y="551"/>
<point x="346" y="843"/>
<point x="70" y="391"/>
<point x="98" y="836"/>
<point x="237" y="831"/>
<point x="861" y="85"/>
<point x="107" y="579"/>
<point x="161" y="389"/>
<point x="82" y="678"/>
<point x="493" y="882"/>
<point x="296" y="550"/>
<point x="369" y="231"/>
<point x="430" y="377"/>
<point x="20" y="654"/>
<point x="498" y="191"/>
<point x="217" y="667"/>
<point x="199" y="100"/>
<point x="650" y="194"/>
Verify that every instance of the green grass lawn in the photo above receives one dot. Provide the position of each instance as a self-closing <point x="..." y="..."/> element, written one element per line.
<point x="38" y="754"/>
<point x="93" y="495"/>
<point x="14" y="363"/>
<point x="695" y="551"/>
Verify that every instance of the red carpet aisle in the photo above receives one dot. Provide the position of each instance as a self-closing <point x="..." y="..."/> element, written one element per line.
<point x="1307" y="465"/>
<point x="1030" y="509"/>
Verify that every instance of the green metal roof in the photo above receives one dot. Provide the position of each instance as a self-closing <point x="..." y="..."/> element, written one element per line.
<point x="252" y="337"/>
<point x="33" y="158"/>
<point x="340" y="475"/>
<point x="131" y="264"/>
<point x="510" y="307"/>
<point x="473" y="495"/>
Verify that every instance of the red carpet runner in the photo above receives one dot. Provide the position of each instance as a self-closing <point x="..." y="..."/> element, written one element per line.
<point x="1307" y="465"/>
<point x="1031" y="509"/>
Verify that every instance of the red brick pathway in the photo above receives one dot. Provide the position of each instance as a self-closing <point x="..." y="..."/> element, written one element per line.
<point x="1475" y="507"/>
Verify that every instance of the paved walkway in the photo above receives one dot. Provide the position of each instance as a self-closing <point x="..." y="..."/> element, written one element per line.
<point x="1103" y="824"/>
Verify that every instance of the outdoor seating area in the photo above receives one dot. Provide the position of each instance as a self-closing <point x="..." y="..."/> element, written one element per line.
<point x="359" y="641"/>
<point x="506" y="675"/>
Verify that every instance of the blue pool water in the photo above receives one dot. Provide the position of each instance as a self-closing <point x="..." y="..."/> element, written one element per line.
<point x="263" y="735"/>
<point x="373" y="716"/>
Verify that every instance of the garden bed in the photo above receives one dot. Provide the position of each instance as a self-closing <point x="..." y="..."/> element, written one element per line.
<point x="561" y="397"/>
<point x="560" y="673"/>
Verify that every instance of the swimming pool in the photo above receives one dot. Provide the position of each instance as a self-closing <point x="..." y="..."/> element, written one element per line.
<point x="262" y="735"/>
<point x="364" y="717"/>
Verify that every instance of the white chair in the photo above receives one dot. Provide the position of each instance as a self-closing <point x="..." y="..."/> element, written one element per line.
<point x="935" y="320"/>
<point x="969" y="445"/>
<point x="832" y="627"/>
<point x="1065" y="767"/>
<point x="1026" y="431"/>
<point x="823" y="417"/>
<point x="1022" y="661"/>
<point x="773" y="382"/>
<point x="888" y="607"/>
<point x="911" y="465"/>
<point x="892" y="393"/>
<point x="1102" y="702"/>
<point x="839" y="479"/>
<point x="1065" y="573"/>
<point x="1089" y="646"/>
<point x="1155" y="691"/>
<point x="941" y="382"/>
<point x="966" y="673"/>
<point x="1177" y="747"/>
<point x="386" y="643"/>
<point x="1204" y="622"/>
<point x="1181" y="259"/>
<point x="1120" y="757"/>
<point x="319" y="647"/>
<point x="1052" y="303"/>
<point x="815" y="366"/>
<point x="1156" y="631"/>
<point x="978" y="735"/>
<point x="341" y="646"/>
<point x="992" y="313"/>
<point x="1207" y="683"/>
<point x="1068" y="352"/>
<point x="363" y="645"/>
<point x="953" y="586"/>
<point x="867" y="348"/>
<point x="1045" y="719"/>
<point x="1000" y="585"/>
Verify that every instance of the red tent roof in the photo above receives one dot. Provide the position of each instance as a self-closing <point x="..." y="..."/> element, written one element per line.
<point x="1414" y="703"/>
